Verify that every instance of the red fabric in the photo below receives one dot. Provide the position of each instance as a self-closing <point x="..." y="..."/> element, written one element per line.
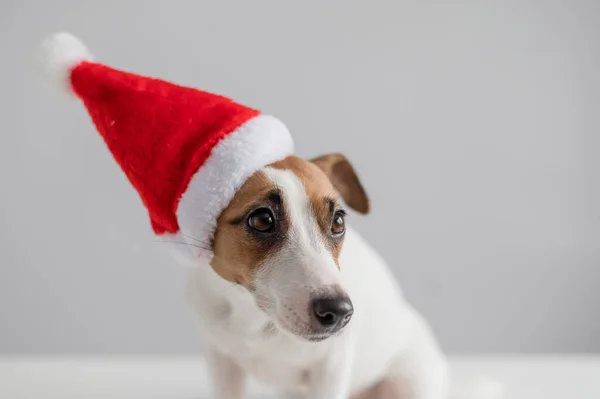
<point x="158" y="132"/>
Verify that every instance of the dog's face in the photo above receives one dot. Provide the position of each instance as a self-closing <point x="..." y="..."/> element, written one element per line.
<point x="280" y="237"/>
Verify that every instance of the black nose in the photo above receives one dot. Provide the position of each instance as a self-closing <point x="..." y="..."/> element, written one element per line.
<point x="332" y="312"/>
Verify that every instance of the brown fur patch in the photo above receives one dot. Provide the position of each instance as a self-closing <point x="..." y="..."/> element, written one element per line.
<point x="238" y="254"/>
<point x="345" y="180"/>
<point x="386" y="389"/>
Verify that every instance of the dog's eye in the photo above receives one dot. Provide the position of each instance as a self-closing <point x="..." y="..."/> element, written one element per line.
<point x="338" y="226"/>
<point x="262" y="220"/>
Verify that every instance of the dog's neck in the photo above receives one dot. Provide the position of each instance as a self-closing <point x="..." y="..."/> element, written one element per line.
<point x="228" y="302"/>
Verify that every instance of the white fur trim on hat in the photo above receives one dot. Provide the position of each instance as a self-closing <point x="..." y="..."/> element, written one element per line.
<point x="62" y="52"/>
<point x="257" y="143"/>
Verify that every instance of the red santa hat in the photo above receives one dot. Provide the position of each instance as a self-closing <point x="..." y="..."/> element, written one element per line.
<point x="185" y="151"/>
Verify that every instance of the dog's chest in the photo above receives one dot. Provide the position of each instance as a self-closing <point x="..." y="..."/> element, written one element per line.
<point x="243" y="332"/>
<point x="271" y="360"/>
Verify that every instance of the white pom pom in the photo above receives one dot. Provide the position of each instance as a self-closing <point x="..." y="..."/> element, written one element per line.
<point x="62" y="52"/>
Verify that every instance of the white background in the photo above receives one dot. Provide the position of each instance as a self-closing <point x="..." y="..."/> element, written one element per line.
<point x="473" y="125"/>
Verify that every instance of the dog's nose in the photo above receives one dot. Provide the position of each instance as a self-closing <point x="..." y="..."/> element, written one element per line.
<point x="332" y="312"/>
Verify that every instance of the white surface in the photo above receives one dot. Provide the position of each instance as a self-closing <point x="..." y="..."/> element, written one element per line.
<point x="543" y="377"/>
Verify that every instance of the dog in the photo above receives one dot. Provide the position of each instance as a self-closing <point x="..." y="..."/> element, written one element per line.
<point x="297" y="299"/>
<point x="286" y="292"/>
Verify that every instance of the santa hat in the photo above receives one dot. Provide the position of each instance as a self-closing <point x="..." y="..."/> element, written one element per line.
<point x="185" y="151"/>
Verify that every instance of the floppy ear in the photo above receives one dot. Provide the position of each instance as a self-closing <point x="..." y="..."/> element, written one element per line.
<point x="344" y="179"/>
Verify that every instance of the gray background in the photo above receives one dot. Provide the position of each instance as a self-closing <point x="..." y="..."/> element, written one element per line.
<point x="475" y="128"/>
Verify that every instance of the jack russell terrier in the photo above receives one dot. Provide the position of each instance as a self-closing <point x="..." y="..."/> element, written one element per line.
<point x="285" y="290"/>
<point x="297" y="299"/>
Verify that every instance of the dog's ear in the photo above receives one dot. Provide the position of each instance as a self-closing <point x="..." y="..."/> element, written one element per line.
<point x="344" y="179"/>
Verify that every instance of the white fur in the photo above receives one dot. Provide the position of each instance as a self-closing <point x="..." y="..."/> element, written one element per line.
<point x="63" y="52"/>
<point x="386" y="338"/>
<point x="303" y="263"/>
<point x="260" y="141"/>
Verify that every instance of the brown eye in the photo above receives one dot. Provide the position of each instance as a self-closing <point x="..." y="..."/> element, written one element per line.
<point x="262" y="220"/>
<point x="338" y="225"/>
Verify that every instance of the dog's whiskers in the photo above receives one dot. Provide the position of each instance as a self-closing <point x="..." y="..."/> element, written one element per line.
<point x="183" y="243"/>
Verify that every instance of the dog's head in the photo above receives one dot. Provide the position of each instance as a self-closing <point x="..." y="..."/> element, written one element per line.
<point x="281" y="236"/>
